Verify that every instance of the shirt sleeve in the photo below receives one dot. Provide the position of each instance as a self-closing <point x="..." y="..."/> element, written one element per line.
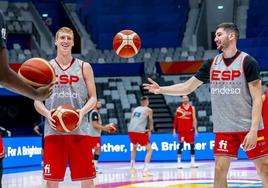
<point x="2" y="31"/>
<point x="252" y="69"/>
<point x="204" y="72"/>
<point x="95" y="116"/>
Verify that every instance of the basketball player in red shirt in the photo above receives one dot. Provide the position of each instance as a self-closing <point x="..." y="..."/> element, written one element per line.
<point x="11" y="80"/>
<point x="75" y="86"/>
<point x="265" y="109"/>
<point x="235" y="88"/>
<point x="185" y="124"/>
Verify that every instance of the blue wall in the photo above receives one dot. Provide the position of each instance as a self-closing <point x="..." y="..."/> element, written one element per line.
<point x="159" y="23"/>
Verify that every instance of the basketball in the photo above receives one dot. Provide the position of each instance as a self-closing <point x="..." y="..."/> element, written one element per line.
<point x="66" y="118"/>
<point x="126" y="43"/>
<point x="37" y="72"/>
<point x="113" y="128"/>
<point x="180" y="113"/>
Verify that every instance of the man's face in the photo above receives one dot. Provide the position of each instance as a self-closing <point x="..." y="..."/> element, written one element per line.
<point x="98" y="105"/>
<point x="185" y="100"/>
<point x="64" y="42"/>
<point x="145" y="102"/>
<point x="223" y="38"/>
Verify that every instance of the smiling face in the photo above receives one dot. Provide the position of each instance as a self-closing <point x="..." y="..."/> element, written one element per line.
<point x="226" y="36"/>
<point x="64" y="41"/>
<point x="221" y="39"/>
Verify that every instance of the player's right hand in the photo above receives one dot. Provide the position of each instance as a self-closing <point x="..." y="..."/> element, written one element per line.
<point x="108" y="127"/>
<point x="43" y="93"/>
<point x="50" y="120"/>
<point x="174" y="135"/>
<point x="152" y="87"/>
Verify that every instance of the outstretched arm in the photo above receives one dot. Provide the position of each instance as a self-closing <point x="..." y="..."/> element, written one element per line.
<point x="9" y="79"/>
<point x="177" y="89"/>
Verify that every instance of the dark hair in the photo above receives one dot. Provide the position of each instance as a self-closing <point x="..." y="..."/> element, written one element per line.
<point x="229" y="26"/>
<point x="143" y="98"/>
<point x="266" y="84"/>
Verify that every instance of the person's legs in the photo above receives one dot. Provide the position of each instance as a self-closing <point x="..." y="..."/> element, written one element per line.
<point x="148" y="154"/>
<point x="179" y="155"/>
<point x="81" y="166"/>
<point x="222" y="164"/>
<point x="133" y="157"/>
<point x="262" y="169"/>
<point x="189" y="138"/>
<point x="193" y="165"/>
<point x="147" y="160"/>
<point x="52" y="184"/>
<point x="55" y="159"/>
<point x="225" y="150"/>
<point x="134" y="137"/>
<point x="97" y="155"/>
<point x="87" y="184"/>
<point x="259" y="155"/>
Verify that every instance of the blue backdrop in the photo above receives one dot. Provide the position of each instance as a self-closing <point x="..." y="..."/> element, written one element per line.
<point x="26" y="151"/>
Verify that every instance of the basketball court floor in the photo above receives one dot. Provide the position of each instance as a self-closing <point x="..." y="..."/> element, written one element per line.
<point x="242" y="174"/>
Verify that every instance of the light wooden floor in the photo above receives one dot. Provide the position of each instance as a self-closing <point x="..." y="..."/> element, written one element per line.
<point x="242" y="174"/>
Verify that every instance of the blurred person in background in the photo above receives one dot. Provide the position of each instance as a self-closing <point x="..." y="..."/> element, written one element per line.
<point x="185" y="124"/>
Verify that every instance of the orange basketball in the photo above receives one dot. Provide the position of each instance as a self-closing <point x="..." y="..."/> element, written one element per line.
<point x="37" y="72"/>
<point x="113" y="128"/>
<point x="66" y="118"/>
<point x="180" y="113"/>
<point x="126" y="43"/>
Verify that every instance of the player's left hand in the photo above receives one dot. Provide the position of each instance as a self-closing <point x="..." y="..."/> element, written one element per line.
<point x="250" y="140"/>
<point x="81" y="115"/>
<point x="152" y="86"/>
<point x="148" y="132"/>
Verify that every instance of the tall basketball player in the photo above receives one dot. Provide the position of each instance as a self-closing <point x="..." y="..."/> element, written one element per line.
<point x="11" y="80"/>
<point x="139" y="135"/>
<point x="236" y="100"/>
<point x="185" y="123"/>
<point x="265" y="109"/>
<point x="75" y="86"/>
<point x="96" y="127"/>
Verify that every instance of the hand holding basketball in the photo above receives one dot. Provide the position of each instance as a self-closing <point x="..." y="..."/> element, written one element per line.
<point x="50" y="120"/>
<point x="66" y="118"/>
<point x="44" y="92"/>
<point x="112" y="127"/>
<point x="37" y="72"/>
<point x="81" y="115"/>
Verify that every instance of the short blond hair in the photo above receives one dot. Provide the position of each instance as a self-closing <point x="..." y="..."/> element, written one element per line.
<point x="64" y="30"/>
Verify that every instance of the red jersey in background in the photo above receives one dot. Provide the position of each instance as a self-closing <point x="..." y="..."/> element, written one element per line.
<point x="184" y="122"/>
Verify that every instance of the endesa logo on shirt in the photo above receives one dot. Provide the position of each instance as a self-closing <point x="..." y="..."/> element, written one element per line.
<point x="67" y="79"/>
<point x="225" y="75"/>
